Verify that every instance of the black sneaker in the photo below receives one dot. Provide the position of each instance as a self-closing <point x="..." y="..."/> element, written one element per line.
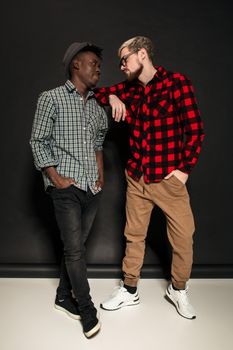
<point x="90" y="323"/>
<point x="69" y="305"/>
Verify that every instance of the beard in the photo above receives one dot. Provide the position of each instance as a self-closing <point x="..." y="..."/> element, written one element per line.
<point x="134" y="75"/>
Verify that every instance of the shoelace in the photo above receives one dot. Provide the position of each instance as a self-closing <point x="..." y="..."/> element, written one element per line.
<point x="184" y="296"/>
<point x="118" y="289"/>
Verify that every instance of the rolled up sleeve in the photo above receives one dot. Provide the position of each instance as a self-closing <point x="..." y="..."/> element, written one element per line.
<point x="41" y="132"/>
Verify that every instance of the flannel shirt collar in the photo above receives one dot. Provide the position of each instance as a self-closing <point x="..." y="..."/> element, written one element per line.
<point x="161" y="73"/>
<point x="71" y="88"/>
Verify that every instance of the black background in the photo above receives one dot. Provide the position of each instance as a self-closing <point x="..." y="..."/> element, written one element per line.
<point x="192" y="37"/>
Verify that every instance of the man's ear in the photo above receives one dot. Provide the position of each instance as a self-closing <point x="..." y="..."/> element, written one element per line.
<point x="76" y="64"/>
<point x="142" y="53"/>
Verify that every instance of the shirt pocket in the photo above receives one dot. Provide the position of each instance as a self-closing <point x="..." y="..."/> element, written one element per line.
<point x="161" y="105"/>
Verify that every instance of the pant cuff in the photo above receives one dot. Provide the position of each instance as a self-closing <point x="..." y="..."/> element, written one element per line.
<point x="129" y="282"/>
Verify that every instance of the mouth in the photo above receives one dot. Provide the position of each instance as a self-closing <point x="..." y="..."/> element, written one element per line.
<point x="127" y="72"/>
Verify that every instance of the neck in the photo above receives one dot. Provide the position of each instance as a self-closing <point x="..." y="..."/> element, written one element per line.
<point x="147" y="74"/>
<point x="80" y="86"/>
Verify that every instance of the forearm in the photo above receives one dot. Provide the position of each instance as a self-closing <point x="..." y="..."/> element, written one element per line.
<point x="57" y="180"/>
<point x="52" y="174"/>
<point x="103" y="94"/>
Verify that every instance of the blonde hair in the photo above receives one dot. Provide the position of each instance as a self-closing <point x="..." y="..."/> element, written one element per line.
<point x="137" y="43"/>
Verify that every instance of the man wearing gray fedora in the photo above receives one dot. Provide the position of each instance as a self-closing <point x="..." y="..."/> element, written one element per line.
<point x="67" y="140"/>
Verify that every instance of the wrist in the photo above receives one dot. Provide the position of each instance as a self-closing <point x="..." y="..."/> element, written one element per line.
<point x="181" y="171"/>
<point x="111" y="97"/>
<point x="52" y="175"/>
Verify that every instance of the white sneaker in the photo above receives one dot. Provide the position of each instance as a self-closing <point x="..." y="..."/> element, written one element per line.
<point x="180" y="299"/>
<point x="120" y="297"/>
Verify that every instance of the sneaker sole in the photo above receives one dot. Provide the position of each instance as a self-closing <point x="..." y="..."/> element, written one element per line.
<point x="73" y="316"/>
<point x="129" y="303"/>
<point x="93" y="331"/>
<point x="170" y="299"/>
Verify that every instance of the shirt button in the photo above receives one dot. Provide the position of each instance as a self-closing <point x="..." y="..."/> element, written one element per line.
<point x="81" y="98"/>
<point x="84" y="142"/>
<point x="84" y="128"/>
<point x="85" y="157"/>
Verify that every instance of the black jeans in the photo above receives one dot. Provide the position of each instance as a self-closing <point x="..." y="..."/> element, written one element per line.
<point x="75" y="211"/>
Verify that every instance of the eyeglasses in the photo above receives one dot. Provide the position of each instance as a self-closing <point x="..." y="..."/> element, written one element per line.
<point x="123" y="60"/>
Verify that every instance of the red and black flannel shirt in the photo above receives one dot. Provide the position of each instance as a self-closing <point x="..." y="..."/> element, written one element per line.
<point x="166" y="131"/>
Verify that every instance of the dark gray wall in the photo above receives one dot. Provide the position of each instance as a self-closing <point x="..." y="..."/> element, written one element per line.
<point x="193" y="37"/>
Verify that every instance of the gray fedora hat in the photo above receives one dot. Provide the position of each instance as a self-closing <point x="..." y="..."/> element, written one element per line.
<point x="74" y="49"/>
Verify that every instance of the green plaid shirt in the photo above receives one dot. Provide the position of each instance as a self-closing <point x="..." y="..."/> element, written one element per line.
<point x="66" y="133"/>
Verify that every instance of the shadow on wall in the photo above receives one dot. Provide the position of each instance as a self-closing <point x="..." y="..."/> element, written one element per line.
<point x="42" y="206"/>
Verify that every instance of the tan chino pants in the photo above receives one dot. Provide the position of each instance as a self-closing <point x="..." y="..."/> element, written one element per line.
<point x="172" y="197"/>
